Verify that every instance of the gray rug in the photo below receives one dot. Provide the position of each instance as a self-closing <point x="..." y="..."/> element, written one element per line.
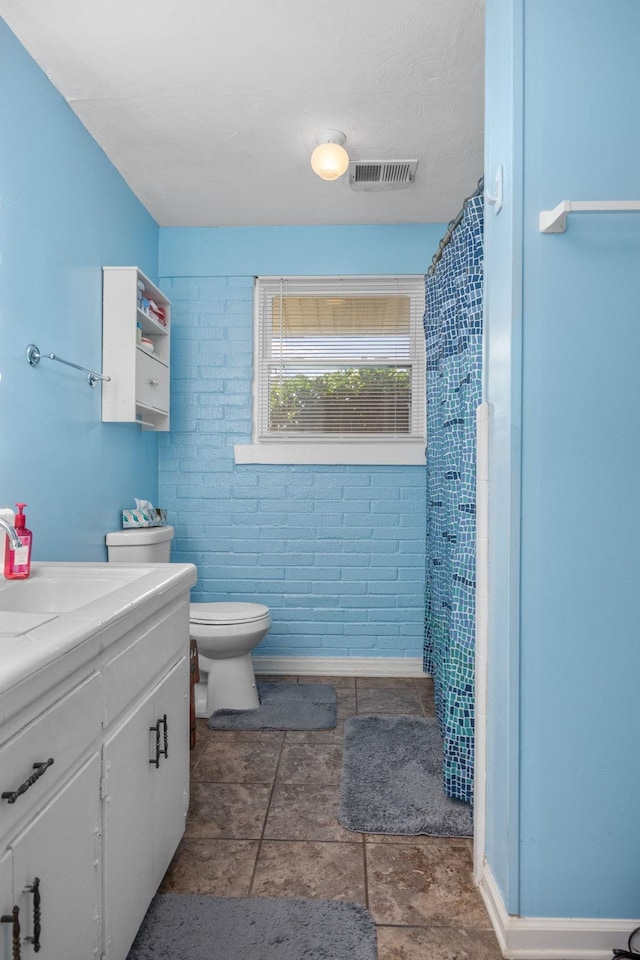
<point x="186" y="927"/>
<point x="392" y="780"/>
<point x="283" y="706"/>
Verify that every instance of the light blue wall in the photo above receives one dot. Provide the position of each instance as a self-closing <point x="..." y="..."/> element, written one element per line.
<point x="65" y="212"/>
<point x="337" y="552"/>
<point x="580" y="466"/>
<point x="578" y="846"/>
<point x="305" y="251"/>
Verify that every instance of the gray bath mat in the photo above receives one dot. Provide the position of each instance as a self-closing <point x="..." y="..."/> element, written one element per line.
<point x="392" y="780"/>
<point x="187" y="927"/>
<point x="283" y="706"/>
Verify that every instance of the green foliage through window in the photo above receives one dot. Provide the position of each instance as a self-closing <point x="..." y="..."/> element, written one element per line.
<point x="367" y="400"/>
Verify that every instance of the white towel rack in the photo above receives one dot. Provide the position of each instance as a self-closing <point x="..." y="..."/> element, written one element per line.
<point x="555" y="221"/>
<point x="34" y="357"/>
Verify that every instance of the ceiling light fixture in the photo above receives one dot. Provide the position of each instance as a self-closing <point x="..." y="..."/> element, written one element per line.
<point x="329" y="159"/>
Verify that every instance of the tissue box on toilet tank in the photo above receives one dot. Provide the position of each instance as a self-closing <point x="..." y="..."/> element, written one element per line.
<point x="144" y="518"/>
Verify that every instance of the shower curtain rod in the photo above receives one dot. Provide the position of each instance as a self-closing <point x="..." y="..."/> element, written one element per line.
<point x="451" y="227"/>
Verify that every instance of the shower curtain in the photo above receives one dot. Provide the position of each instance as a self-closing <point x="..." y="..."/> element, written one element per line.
<point x="453" y="331"/>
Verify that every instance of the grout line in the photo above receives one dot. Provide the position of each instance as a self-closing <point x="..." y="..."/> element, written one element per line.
<point x="366" y="877"/>
<point x="264" y="824"/>
<point x="420" y="700"/>
<point x="343" y="843"/>
<point x="434" y="925"/>
<point x="235" y="783"/>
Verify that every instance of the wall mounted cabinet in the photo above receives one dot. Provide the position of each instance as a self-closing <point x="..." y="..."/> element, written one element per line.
<point x="136" y="326"/>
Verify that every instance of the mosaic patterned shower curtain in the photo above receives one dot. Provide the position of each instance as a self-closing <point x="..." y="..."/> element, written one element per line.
<point x="453" y="330"/>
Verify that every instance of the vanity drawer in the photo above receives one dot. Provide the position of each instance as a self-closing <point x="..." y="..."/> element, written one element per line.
<point x="152" y="382"/>
<point x="62" y="733"/>
<point x="131" y="672"/>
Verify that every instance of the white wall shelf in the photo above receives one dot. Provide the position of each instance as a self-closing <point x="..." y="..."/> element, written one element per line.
<point x="138" y="391"/>
<point x="555" y="221"/>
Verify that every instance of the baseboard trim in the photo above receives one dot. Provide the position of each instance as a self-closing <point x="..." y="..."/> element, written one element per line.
<point x="551" y="938"/>
<point x="341" y="666"/>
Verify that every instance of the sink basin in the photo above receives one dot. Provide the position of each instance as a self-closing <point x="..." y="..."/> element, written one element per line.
<point x="58" y="594"/>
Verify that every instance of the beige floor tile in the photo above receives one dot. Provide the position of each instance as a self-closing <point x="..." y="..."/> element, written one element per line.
<point x="273" y="677"/>
<point x="420" y="889"/>
<point x="388" y="700"/>
<point x="306" y="811"/>
<point x="347" y="705"/>
<point x="420" y="840"/>
<point x="231" y="810"/>
<point x="420" y="884"/>
<point x="340" y="683"/>
<point x="428" y="706"/>
<point x="436" y="943"/>
<point x="252" y="736"/>
<point x="238" y="761"/>
<point x="387" y="683"/>
<point x="221" y="868"/>
<point x="310" y="763"/>
<point x="426" y="695"/>
<point x="332" y="871"/>
<point x="195" y="754"/>
<point x="335" y="735"/>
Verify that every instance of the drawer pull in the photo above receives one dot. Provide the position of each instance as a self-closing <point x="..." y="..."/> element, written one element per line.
<point x="12" y="795"/>
<point x="12" y="918"/>
<point x="153" y="382"/>
<point x="160" y="751"/>
<point x="34" y="888"/>
<point x="166" y="737"/>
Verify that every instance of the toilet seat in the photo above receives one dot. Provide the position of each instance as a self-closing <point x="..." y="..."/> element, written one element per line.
<point x="227" y="613"/>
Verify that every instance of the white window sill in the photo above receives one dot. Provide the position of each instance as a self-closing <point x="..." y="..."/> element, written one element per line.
<point x="363" y="452"/>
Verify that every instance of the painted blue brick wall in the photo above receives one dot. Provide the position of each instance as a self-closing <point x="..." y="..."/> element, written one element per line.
<point x="337" y="552"/>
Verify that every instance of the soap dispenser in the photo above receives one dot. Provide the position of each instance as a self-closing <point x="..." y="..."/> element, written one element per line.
<point x="17" y="563"/>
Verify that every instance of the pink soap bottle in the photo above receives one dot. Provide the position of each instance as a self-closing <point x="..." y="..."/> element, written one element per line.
<point x="17" y="563"/>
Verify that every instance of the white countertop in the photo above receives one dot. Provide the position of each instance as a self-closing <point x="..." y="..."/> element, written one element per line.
<point x="55" y="638"/>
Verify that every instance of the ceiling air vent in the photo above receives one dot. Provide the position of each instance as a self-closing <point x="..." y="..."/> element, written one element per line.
<point x="381" y="174"/>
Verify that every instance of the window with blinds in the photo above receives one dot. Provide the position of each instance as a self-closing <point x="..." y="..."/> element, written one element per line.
<point x="340" y="358"/>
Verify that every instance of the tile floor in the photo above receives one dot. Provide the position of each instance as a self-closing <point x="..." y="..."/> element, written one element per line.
<point x="262" y="822"/>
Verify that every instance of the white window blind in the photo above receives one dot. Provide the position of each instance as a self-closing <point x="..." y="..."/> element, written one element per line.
<point x="340" y="358"/>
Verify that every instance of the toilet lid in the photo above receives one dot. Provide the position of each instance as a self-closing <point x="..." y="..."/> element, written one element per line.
<point x="227" y="612"/>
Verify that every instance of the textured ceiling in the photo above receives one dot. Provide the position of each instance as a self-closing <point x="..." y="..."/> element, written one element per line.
<point x="210" y="111"/>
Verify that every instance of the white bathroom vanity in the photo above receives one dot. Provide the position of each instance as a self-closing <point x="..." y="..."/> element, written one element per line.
<point x="94" y="752"/>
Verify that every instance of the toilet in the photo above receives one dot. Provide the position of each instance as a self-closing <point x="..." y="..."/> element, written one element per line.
<point x="226" y="633"/>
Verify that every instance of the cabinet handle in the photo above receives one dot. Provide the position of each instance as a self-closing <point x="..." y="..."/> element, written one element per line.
<point x="166" y="737"/>
<point x="156" y="759"/>
<point x="160" y="751"/>
<point x="12" y="795"/>
<point x="12" y="918"/>
<point x="153" y="382"/>
<point x="34" y="888"/>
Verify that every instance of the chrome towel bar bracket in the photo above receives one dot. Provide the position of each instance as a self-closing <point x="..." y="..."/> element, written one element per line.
<point x="34" y="357"/>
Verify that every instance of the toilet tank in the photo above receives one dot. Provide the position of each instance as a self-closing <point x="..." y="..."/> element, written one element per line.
<point x="140" y="545"/>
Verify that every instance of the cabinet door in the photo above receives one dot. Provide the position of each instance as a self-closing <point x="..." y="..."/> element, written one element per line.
<point x="145" y="804"/>
<point x="128" y="850"/>
<point x="170" y="797"/>
<point x="61" y="848"/>
<point x="6" y="906"/>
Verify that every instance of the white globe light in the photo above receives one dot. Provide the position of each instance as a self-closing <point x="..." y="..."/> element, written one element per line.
<point x="329" y="161"/>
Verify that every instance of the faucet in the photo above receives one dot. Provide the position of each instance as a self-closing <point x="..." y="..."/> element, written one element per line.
<point x="14" y="540"/>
